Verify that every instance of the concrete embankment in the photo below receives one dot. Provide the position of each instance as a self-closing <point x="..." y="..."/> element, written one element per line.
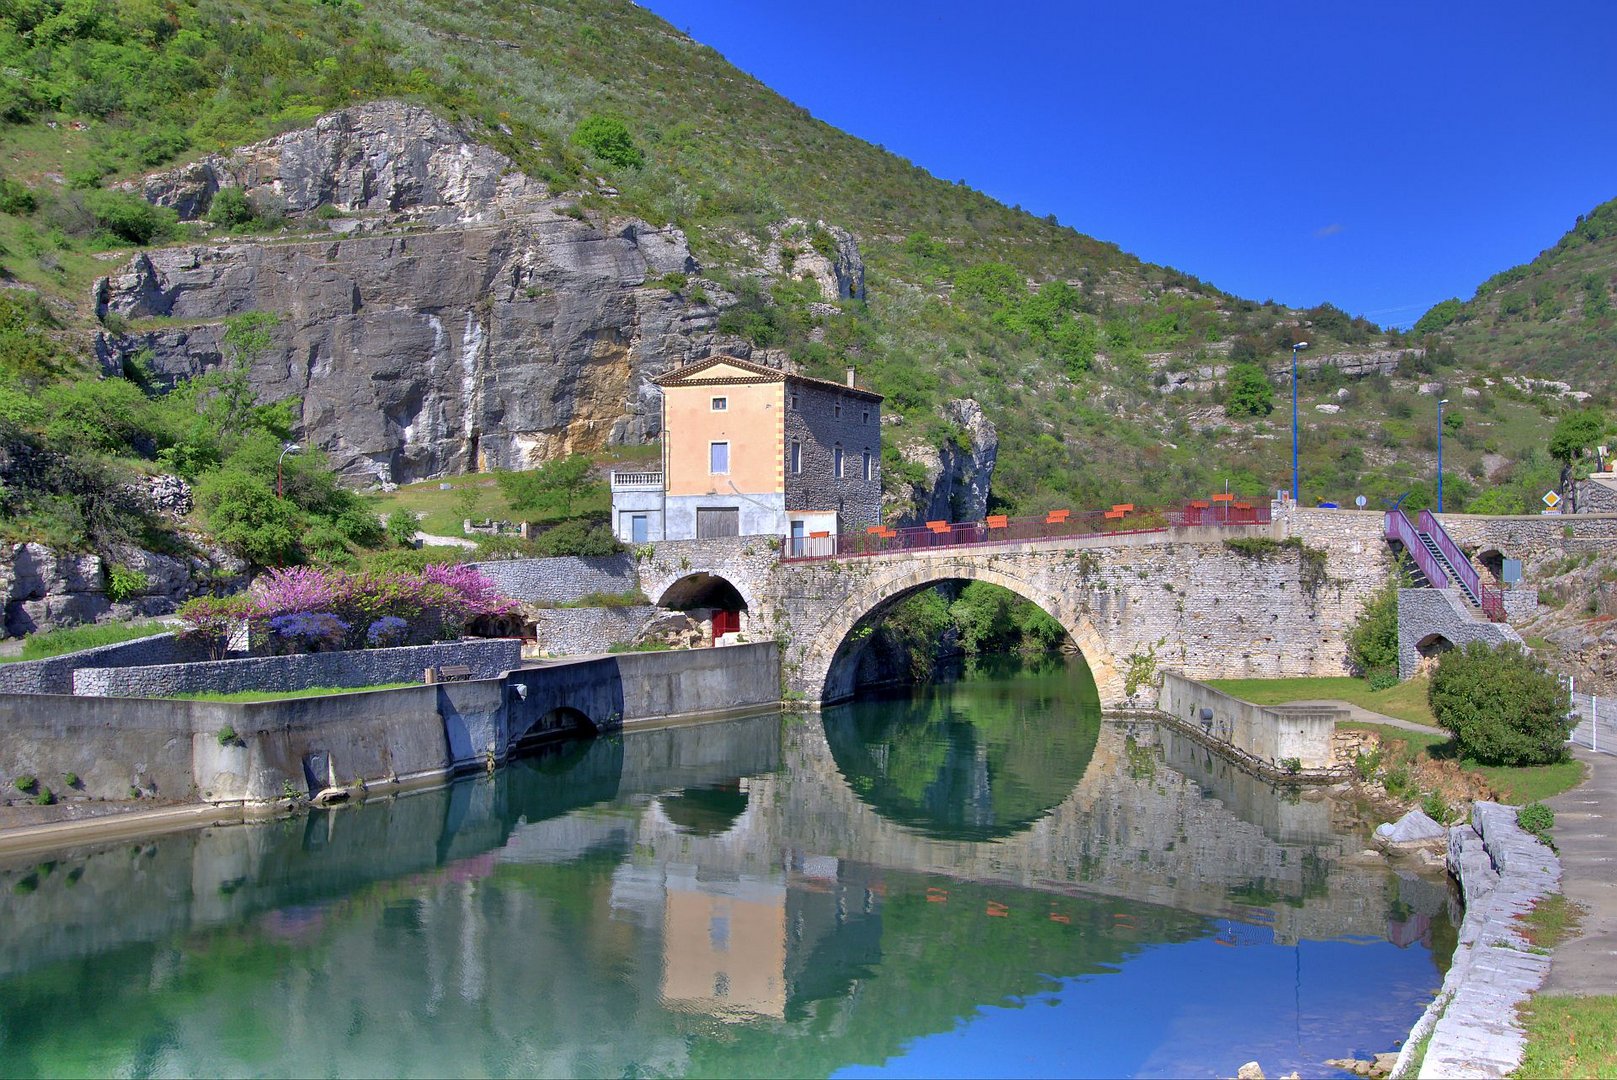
<point x="1503" y="872"/>
<point x="253" y="755"/>
<point x="1291" y="743"/>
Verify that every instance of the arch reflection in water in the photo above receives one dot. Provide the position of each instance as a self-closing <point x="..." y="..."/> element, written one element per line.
<point x="975" y="758"/>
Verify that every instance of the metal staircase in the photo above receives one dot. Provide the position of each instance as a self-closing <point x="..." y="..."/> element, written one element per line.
<point x="1439" y="562"/>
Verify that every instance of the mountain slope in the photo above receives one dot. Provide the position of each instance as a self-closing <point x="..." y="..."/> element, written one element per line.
<point x="1103" y="374"/>
<point x="1555" y="317"/>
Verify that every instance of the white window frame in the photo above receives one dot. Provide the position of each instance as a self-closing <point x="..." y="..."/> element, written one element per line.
<point x="719" y="404"/>
<point x="836" y="461"/>
<point x="794" y="459"/>
<point x="711" y="471"/>
<point x="867" y="464"/>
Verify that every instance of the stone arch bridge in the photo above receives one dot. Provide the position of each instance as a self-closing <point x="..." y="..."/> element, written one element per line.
<point x="1245" y="600"/>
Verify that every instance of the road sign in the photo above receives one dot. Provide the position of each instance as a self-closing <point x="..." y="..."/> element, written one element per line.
<point x="1551" y="499"/>
<point x="1359" y="501"/>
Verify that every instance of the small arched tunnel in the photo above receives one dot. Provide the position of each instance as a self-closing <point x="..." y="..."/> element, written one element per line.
<point x="556" y="723"/>
<point x="702" y="590"/>
<point x="861" y="658"/>
<point x="1492" y="561"/>
<point x="1433" y="645"/>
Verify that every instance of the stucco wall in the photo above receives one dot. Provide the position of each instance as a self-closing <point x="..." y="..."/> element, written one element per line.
<point x="579" y="631"/>
<point x="55" y="674"/>
<point x="751" y="424"/>
<point x="352" y="667"/>
<point x="562" y="580"/>
<point x="1269" y="735"/>
<point x="815" y="425"/>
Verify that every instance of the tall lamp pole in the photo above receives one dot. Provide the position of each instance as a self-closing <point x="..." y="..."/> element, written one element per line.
<point x="1440" y="403"/>
<point x="1294" y="485"/>
<point x="289" y="448"/>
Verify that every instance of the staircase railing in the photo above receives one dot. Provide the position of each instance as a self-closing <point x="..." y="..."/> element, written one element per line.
<point x="1491" y="600"/>
<point x="1398" y="528"/>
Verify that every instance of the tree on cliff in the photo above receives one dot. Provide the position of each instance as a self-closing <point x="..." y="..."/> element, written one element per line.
<point x="1247" y="391"/>
<point x="1503" y="705"/>
<point x="1373" y="641"/>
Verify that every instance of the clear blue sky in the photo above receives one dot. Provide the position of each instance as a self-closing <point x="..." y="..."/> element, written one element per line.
<point x="1379" y="155"/>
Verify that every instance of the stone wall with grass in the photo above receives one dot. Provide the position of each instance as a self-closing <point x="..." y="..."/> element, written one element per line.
<point x="1431" y="621"/>
<point x="487" y="658"/>
<point x="54" y="675"/>
<point x="583" y="631"/>
<point x="562" y="580"/>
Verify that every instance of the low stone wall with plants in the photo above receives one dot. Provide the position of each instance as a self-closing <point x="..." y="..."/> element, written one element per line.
<point x="488" y="659"/>
<point x="54" y="675"/>
<point x="582" y="631"/>
<point x="562" y="580"/>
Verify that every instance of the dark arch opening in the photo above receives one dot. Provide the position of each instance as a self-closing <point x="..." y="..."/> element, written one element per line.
<point x="559" y="723"/>
<point x="706" y="811"/>
<point x="1433" y="645"/>
<point x="1493" y="564"/>
<point x="702" y="590"/>
<point x="943" y="615"/>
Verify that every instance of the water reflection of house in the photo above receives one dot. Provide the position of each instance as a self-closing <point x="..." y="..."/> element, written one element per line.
<point x="724" y="945"/>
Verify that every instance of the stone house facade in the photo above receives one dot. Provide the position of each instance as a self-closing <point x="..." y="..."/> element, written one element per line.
<point x="749" y="450"/>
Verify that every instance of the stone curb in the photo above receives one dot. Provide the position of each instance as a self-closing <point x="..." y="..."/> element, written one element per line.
<point x="1503" y="871"/>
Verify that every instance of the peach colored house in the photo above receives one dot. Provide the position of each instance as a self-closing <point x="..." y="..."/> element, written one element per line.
<point x="749" y="450"/>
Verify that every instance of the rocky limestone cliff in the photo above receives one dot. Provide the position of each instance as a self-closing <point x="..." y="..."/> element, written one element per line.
<point x="41" y="588"/>
<point x="457" y="317"/>
<point x="958" y="474"/>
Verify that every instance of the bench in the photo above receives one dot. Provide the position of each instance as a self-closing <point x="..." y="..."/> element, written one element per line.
<point x="449" y="673"/>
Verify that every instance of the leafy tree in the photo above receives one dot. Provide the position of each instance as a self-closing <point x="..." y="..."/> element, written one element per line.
<point x="996" y="284"/>
<point x="401" y="527"/>
<point x="1439" y="317"/>
<point x="1498" y="500"/>
<point x="1247" y="391"/>
<point x="130" y="218"/>
<point x="577" y="537"/>
<point x="608" y="138"/>
<point x="1503" y="705"/>
<point x="552" y="490"/>
<point x="1576" y="433"/>
<point x="245" y="516"/>
<point x="1373" y="640"/>
<point x="230" y="208"/>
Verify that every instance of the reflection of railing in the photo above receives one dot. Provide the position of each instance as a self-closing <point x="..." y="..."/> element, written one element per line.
<point x="998" y="529"/>
<point x="621" y="480"/>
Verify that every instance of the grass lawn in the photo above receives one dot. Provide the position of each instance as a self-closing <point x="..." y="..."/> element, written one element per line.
<point x="281" y="695"/>
<point x="73" y="638"/>
<point x="444" y="504"/>
<point x="1518" y="785"/>
<point x="1406" y="701"/>
<point x="1570" y="1036"/>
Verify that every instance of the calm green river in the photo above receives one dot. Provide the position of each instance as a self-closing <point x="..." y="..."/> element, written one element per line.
<point x="978" y="878"/>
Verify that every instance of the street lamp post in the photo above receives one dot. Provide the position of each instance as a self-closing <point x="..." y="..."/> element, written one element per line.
<point x="1440" y="403"/>
<point x="1294" y="485"/>
<point x="289" y="448"/>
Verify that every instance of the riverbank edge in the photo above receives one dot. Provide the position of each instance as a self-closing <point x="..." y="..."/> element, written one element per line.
<point x="1471" y="1024"/>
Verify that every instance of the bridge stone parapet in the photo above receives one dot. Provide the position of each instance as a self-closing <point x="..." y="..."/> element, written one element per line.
<point x="1529" y="537"/>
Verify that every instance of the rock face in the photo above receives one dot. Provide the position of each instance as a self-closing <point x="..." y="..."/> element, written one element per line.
<point x="42" y="589"/>
<point x="826" y="253"/>
<point x="958" y="476"/>
<point x="462" y="318"/>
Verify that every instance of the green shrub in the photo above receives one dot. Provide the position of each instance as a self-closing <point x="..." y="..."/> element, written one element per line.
<point x="1365" y="765"/>
<point x="71" y="779"/>
<point x="16" y="198"/>
<point x="1537" y="819"/>
<point x="45" y="797"/>
<point x="130" y="218"/>
<point x="227" y="736"/>
<point x="1373" y="639"/>
<point x="1503" y="705"/>
<point x="122" y="583"/>
<point x="608" y="138"/>
<point x="577" y="538"/>
<point x="26" y="783"/>
<point x="230" y="208"/>
<point x="1437" y="808"/>
<point x="401" y="527"/>
<point x="76" y="638"/>
<point x="1383" y="679"/>
<point x="1247" y="391"/>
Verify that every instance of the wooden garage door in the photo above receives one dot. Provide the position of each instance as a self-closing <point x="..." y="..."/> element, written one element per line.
<point x="712" y="523"/>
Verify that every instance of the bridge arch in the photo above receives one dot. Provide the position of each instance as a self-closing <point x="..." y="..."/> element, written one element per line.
<point x="828" y="666"/>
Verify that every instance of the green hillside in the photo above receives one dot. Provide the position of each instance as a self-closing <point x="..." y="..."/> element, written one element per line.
<point x="1067" y="341"/>
<point x="1554" y="317"/>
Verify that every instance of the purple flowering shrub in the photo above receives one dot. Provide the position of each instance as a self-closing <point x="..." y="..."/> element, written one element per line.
<point x="304" y="606"/>
<point x="387" y="631"/>
<point x="308" y="631"/>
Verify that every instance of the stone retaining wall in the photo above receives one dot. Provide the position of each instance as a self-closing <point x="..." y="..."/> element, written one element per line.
<point x="54" y="675"/>
<point x="487" y="658"/>
<point x="581" y="631"/>
<point x="562" y="580"/>
<point x="1503" y="872"/>
<point x="1424" y="612"/>
<point x="1270" y="737"/>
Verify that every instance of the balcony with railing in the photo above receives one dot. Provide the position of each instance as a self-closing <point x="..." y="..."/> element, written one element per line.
<point x="637" y="481"/>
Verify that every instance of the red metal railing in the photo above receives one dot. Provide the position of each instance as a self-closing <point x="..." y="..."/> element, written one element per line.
<point x="996" y="529"/>
<point x="1491" y="600"/>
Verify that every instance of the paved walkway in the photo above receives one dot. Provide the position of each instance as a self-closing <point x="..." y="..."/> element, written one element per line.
<point x="1586" y="832"/>
<point x="1358" y="714"/>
